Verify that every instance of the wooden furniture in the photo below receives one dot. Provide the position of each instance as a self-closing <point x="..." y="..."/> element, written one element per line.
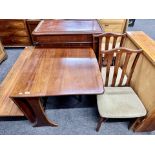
<point x="3" y="54"/>
<point x="54" y="72"/>
<point x="67" y="33"/>
<point x="143" y="78"/>
<point x="31" y="25"/>
<point x="14" y="32"/>
<point x="119" y="102"/>
<point x="114" y="25"/>
<point x="7" y="107"/>
<point x="108" y="41"/>
<point x="142" y="81"/>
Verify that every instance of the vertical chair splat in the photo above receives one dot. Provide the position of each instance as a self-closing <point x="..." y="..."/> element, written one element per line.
<point x="109" y="57"/>
<point x="114" y="41"/>
<point x="108" y="41"/>
<point x="117" y="64"/>
<point x="124" y="68"/>
<point x="132" y="69"/>
<point x="108" y="54"/>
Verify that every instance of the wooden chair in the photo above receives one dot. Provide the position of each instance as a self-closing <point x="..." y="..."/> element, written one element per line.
<point x="120" y="101"/>
<point x="108" y="41"/>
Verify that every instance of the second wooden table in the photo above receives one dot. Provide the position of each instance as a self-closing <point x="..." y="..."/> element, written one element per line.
<point x="68" y="33"/>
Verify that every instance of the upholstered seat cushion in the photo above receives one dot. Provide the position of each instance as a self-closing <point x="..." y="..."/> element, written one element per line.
<point x="111" y="76"/>
<point x="120" y="102"/>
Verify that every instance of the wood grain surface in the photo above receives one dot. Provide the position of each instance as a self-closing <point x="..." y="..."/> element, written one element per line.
<point x="141" y="40"/>
<point x="48" y="27"/>
<point x="59" y="71"/>
<point x="7" y="106"/>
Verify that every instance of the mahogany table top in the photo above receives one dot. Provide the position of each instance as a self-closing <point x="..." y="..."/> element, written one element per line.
<point x="59" y="71"/>
<point x="51" y="27"/>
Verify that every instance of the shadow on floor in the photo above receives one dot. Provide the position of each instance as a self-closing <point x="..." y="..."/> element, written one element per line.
<point x="72" y="101"/>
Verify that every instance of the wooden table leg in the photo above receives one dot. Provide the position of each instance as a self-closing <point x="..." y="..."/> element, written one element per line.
<point x="33" y="110"/>
<point x="44" y="101"/>
<point x="25" y="108"/>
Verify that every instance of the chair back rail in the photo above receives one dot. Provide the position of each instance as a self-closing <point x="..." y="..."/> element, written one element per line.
<point x="112" y="38"/>
<point x="108" y="36"/>
<point x="119" y="52"/>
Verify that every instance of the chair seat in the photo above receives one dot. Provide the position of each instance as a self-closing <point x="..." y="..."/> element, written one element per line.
<point x="120" y="102"/>
<point x="111" y="75"/>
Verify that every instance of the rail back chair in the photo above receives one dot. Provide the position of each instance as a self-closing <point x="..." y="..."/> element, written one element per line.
<point x="108" y="41"/>
<point x="119" y="99"/>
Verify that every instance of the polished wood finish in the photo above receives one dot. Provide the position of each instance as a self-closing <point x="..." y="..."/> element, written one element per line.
<point x="34" y="111"/>
<point x="109" y="56"/>
<point x="142" y="80"/>
<point x="62" y="69"/>
<point x="3" y="54"/>
<point x="13" y="32"/>
<point x="51" y="27"/>
<point x="141" y="40"/>
<point x="115" y="38"/>
<point x="32" y="24"/>
<point x="16" y="41"/>
<point x="117" y="65"/>
<point x="19" y="32"/>
<point x="143" y="77"/>
<point x="11" y="24"/>
<point x="55" y="72"/>
<point x="110" y="40"/>
<point x="101" y="120"/>
<point x="67" y="33"/>
<point x="7" y="106"/>
<point x="119" y="52"/>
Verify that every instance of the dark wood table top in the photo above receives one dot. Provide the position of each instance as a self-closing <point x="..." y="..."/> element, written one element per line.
<point x="59" y="71"/>
<point x="51" y="27"/>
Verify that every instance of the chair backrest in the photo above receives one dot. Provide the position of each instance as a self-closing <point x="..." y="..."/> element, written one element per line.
<point x="107" y="39"/>
<point x="126" y="54"/>
<point x="112" y="38"/>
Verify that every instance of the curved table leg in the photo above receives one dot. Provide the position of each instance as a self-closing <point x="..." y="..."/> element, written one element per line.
<point x="35" y="112"/>
<point x="25" y="108"/>
<point x="41" y="119"/>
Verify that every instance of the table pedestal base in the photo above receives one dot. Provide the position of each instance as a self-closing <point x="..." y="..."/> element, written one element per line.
<point x="34" y="111"/>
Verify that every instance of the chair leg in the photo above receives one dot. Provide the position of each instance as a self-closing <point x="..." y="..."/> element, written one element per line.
<point x="101" y="120"/>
